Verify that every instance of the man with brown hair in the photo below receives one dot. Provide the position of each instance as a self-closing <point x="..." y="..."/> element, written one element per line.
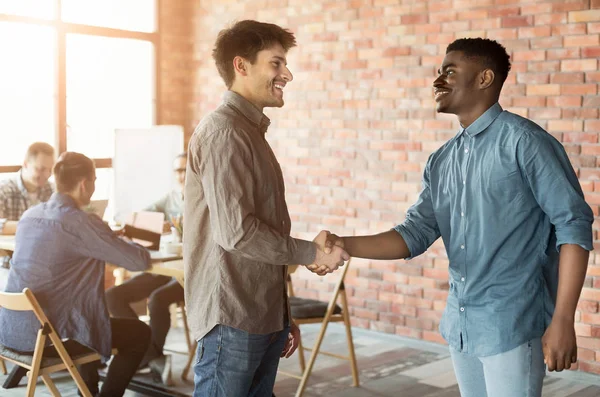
<point x="237" y="241"/>
<point x="60" y="255"/>
<point x="28" y="188"/>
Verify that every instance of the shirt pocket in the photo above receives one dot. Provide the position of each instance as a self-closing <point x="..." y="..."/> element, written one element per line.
<point x="505" y="188"/>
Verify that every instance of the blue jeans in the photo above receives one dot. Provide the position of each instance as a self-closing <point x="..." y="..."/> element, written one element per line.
<point x="516" y="373"/>
<point x="231" y="362"/>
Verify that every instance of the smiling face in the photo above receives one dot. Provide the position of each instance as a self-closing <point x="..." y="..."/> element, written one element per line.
<point x="456" y="89"/>
<point x="263" y="81"/>
<point x="37" y="169"/>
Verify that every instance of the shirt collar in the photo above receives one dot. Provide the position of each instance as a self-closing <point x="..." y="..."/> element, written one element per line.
<point x="483" y="121"/>
<point x="63" y="200"/>
<point x="247" y="109"/>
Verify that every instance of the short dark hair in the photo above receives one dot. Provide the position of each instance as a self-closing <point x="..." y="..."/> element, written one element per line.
<point x="490" y="53"/>
<point x="39" y="147"/>
<point x="246" y="39"/>
<point x="70" y="169"/>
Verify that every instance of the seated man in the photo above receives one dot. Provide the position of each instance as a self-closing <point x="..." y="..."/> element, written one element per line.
<point x="26" y="189"/>
<point x="60" y="255"/>
<point x="162" y="291"/>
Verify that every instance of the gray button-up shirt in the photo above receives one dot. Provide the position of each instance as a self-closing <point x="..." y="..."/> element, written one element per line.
<point x="503" y="196"/>
<point x="60" y="255"/>
<point x="237" y="226"/>
<point x="14" y="197"/>
<point x="171" y="205"/>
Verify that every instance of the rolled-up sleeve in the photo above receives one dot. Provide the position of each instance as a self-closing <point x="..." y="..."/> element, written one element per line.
<point x="99" y="242"/>
<point x="229" y="186"/>
<point x="556" y="189"/>
<point x="420" y="229"/>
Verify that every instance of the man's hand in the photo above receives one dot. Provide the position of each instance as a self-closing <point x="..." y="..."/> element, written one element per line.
<point x="291" y="344"/>
<point x="330" y="256"/>
<point x="560" y="345"/>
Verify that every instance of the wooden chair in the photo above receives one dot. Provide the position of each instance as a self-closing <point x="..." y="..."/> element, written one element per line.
<point x="36" y="364"/>
<point x="191" y="344"/>
<point x="3" y="366"/>
<point x="308" y="311"/>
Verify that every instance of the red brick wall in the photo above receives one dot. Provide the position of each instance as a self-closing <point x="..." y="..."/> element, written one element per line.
<point x="359" y="123"/>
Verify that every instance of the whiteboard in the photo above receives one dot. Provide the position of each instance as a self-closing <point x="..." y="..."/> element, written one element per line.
<point x="143" y="167"/>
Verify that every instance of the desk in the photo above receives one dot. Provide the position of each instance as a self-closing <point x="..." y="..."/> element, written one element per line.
<point x="7" y="243"/>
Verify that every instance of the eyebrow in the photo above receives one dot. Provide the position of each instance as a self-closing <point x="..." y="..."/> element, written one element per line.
<point x="282" y="59"/>
<point x="444" y="67"/>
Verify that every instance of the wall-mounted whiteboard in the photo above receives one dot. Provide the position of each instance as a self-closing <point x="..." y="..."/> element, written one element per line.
<point x="143" y="166"/>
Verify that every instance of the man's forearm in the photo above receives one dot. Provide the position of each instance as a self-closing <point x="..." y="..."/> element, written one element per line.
<point x="9" y="227"/>
<point x="387" y="245"/>
<point x="572" y="268"/>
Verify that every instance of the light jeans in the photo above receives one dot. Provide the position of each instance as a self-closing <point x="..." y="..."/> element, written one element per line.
<point x="516" y="373"/>
<point x="234" y="363"/>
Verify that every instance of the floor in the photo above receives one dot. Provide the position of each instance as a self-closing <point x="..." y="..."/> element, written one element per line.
<point x="388" y="365"/>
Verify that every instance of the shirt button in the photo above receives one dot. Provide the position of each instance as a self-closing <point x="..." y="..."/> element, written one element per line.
<point x="462" y="279"/>
<point x="467" y="150"/>
<point x="462" y="309"/>
<point x="464" y="182"/>
<point x="462" y="214"/>
<point x="462" y="247"/>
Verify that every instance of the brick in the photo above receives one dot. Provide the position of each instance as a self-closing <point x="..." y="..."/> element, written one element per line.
<point x="544" y="113"/>
<point x="589" y="366"/>
<point x="532" y="55"/>
<point x="592" y="126"/>
<point x="570" y="28"/>
<point x="563" y="53"/>
<point x="537" y="31"/>
<point x="584" y="16"/>
<point x="550" y="18"/>
<point x="567" y="78"/>
<point x="590" y="52"/>
<point x="517" y="21"/>
<point x="588" y="306"/>
<point x="564" y="125"/>
<point x="564" y="101"/>
<point x="543" y="89"/>
<point x="578" y="89"/>
<point x="582" y="40"/>
<point x="414" y="19"/>
<point x="531" y="101"/>
<point x="578" y="65"/>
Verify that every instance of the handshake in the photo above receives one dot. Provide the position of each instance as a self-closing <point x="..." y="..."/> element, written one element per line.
<point x="330" y="253"/>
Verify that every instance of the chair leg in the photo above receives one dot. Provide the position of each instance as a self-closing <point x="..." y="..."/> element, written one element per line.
<point x="353" y="365"/>
<point x="3" y="366"/>
<point x="50" y="385"/>
<point x="31" y="383"/>
<point x="311" y="361"/>
<point x="301" y="355"/>
<point x="188" y="365"/>
<point x="186" y="328"/>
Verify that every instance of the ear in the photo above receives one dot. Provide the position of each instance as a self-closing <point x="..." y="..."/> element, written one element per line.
<point x="240" y="65"/>
<point x="486" y="78"/>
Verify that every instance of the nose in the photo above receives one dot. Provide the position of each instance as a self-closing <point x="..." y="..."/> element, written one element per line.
<point x="287" y="75"/>
<point x="439" y="81"/>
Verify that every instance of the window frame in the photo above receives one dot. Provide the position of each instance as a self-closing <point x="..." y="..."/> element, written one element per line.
<point x="62" y="30"/>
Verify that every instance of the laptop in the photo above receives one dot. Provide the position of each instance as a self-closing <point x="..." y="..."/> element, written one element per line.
<point x="97" y="207"/>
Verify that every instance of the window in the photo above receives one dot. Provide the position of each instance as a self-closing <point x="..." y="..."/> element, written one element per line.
<point x="71" y="78"/>
<point x="138" y="15"/>
<point x="109" y="85"/>
<point x="27" y="88"/>
<point x="43" y="9"/>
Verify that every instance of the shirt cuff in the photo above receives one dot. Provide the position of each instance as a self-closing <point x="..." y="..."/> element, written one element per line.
<point x="306" y="253"/>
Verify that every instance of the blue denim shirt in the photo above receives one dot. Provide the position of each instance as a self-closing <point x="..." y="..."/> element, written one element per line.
<point x="60" y="255"/>
<point x="504" y="197"/>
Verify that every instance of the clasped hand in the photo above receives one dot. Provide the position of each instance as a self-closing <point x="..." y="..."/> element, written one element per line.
<point x="330" y="253"/>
